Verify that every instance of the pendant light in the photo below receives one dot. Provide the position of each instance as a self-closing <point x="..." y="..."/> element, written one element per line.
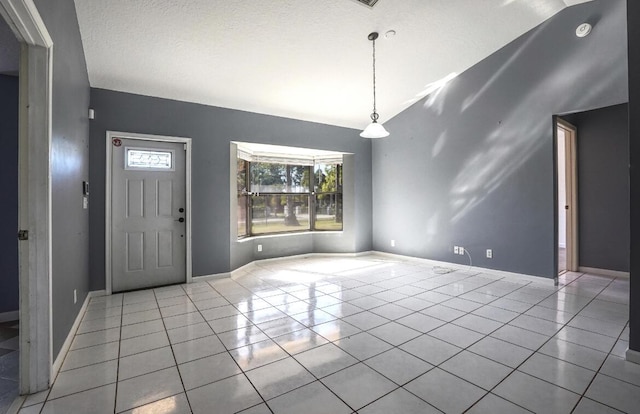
<point x="374" y="129"/>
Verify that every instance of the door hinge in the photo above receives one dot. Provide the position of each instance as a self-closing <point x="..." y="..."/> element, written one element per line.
<point x="23" y="235"/>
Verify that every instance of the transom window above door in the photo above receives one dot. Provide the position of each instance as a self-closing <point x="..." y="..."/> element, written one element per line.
<point x="149" y="159"/>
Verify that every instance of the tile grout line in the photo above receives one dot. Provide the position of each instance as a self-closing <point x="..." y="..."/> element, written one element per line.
<point x="389" y="289"/>
<point x="115" y="397"/>
<point x="524" y="313"/>
<point x="317" y="379"/>
<point x="538" y="349"/>
<point x="242" y="372"/>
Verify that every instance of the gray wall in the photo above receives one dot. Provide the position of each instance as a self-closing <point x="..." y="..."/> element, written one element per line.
<point x="69" y="165"/>
<point x="9" y="295"/>
<point x="603" y="187"/>
<point x="633" y="20"/>
<point x="212" y="129"/>
<point x="473" y="165"/>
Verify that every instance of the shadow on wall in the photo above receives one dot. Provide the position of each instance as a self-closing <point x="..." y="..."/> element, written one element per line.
<point x="481" y="145"/>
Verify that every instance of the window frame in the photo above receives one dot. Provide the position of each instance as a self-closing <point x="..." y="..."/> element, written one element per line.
<point x="336" y="192"/>
<point x="311" y="194"/>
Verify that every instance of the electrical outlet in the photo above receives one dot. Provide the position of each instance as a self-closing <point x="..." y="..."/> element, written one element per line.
<point x="456" y="250"/>
<point x="259" y="247"/>
<point x="393" y="243"/>
<point x="461" y="250"/>
<point x="75" y="296"/>
<point x="489" y="254"/>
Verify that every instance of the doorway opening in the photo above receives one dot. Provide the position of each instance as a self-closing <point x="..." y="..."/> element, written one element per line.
<point x="33" y="233"/>
<point x="9" y="278"/>
<point x="566" y="196"/>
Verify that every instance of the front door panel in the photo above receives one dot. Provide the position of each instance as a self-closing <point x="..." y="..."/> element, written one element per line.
<point x="148" y="236"/>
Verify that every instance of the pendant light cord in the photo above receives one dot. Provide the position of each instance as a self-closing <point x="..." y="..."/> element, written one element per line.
<point x="374" y="81"/>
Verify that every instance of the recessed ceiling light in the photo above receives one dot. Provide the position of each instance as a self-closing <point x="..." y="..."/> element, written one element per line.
<point x="389" y="34"/>
<point x="583" y="30"/>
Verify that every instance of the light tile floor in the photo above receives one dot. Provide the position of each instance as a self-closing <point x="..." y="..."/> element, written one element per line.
<point x="353" y="335"/>
<point x="9" y="360"/>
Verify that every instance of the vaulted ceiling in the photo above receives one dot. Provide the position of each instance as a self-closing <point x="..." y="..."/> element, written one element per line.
<point x="303" y="59"/>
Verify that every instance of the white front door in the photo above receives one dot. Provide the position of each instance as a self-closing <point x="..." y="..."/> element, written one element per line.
<point x="148" y="214"/>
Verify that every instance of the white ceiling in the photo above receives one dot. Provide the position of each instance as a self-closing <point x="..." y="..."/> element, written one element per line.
<point x="303" y="59"/>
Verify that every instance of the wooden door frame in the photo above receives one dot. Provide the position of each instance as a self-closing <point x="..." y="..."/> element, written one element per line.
<point x="571" y="175"/>
<point x="34" y="192"/>
<point x="108" y="188"/>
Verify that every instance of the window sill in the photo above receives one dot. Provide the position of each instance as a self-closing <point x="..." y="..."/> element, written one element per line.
<point x="272" y="236"/>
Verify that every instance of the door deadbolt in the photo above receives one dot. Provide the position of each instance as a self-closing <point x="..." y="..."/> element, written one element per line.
<point x="181" y="219"/>
<point x="181" y="210"/>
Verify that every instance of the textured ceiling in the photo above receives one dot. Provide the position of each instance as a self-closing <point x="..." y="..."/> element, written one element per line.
<point x="303" y="59"/>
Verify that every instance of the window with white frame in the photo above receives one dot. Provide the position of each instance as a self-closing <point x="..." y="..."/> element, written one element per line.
<point x="285" y="193"/>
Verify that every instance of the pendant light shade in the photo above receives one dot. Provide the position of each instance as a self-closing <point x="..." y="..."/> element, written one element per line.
<point x="374" y="129"/>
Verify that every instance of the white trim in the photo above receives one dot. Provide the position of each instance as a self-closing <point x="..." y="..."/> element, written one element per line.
<point x="25" y="21"/>
<point x="109" y="158"/>
<point x="72" y="333"/>
<point x="14" y="408"/>
<point x="633" y="356"/>
<point x="243" y="270"/>
<point x="455" y="266"/>
<point x="107" y="216"/>
<point x="604" y="272"/>
<point x="34" y="198"/>
<point x="571" y="181"/>
<point x="216" y="276"/>
<point x="34" y="212"/>
<point x="259" y="237"/>
<point x="9" y="316"/>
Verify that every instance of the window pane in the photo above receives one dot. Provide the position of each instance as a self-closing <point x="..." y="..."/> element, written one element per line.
<point x="242" y="177"/>
<point x="268" y="178"/>
<point x="158" y="160"/>
<point x="242" y="216"/>
<point x="328" y="177"/>
<point x="279" y="213"/>
<point x="279" y="178"/>
<point x="329" y="211"/>
<point x="300" y="182"/>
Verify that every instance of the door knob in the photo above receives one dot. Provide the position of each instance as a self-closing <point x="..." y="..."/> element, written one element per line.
<point x="181" y="210"/>
<point x="181" y="220"/>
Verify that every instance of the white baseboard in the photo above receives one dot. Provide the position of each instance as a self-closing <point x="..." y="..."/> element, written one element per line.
<point x="604" y="272"/>
<point x="455" y="266"/>
<point x="57" y="364"/>
<point x="243" y="270"/>
<point x="633" y="356"/>
<point x="14" y="408"/>
<point x="206" y="278"/>
<point x="308" y="255"/>
<point x="9" y="316"/>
